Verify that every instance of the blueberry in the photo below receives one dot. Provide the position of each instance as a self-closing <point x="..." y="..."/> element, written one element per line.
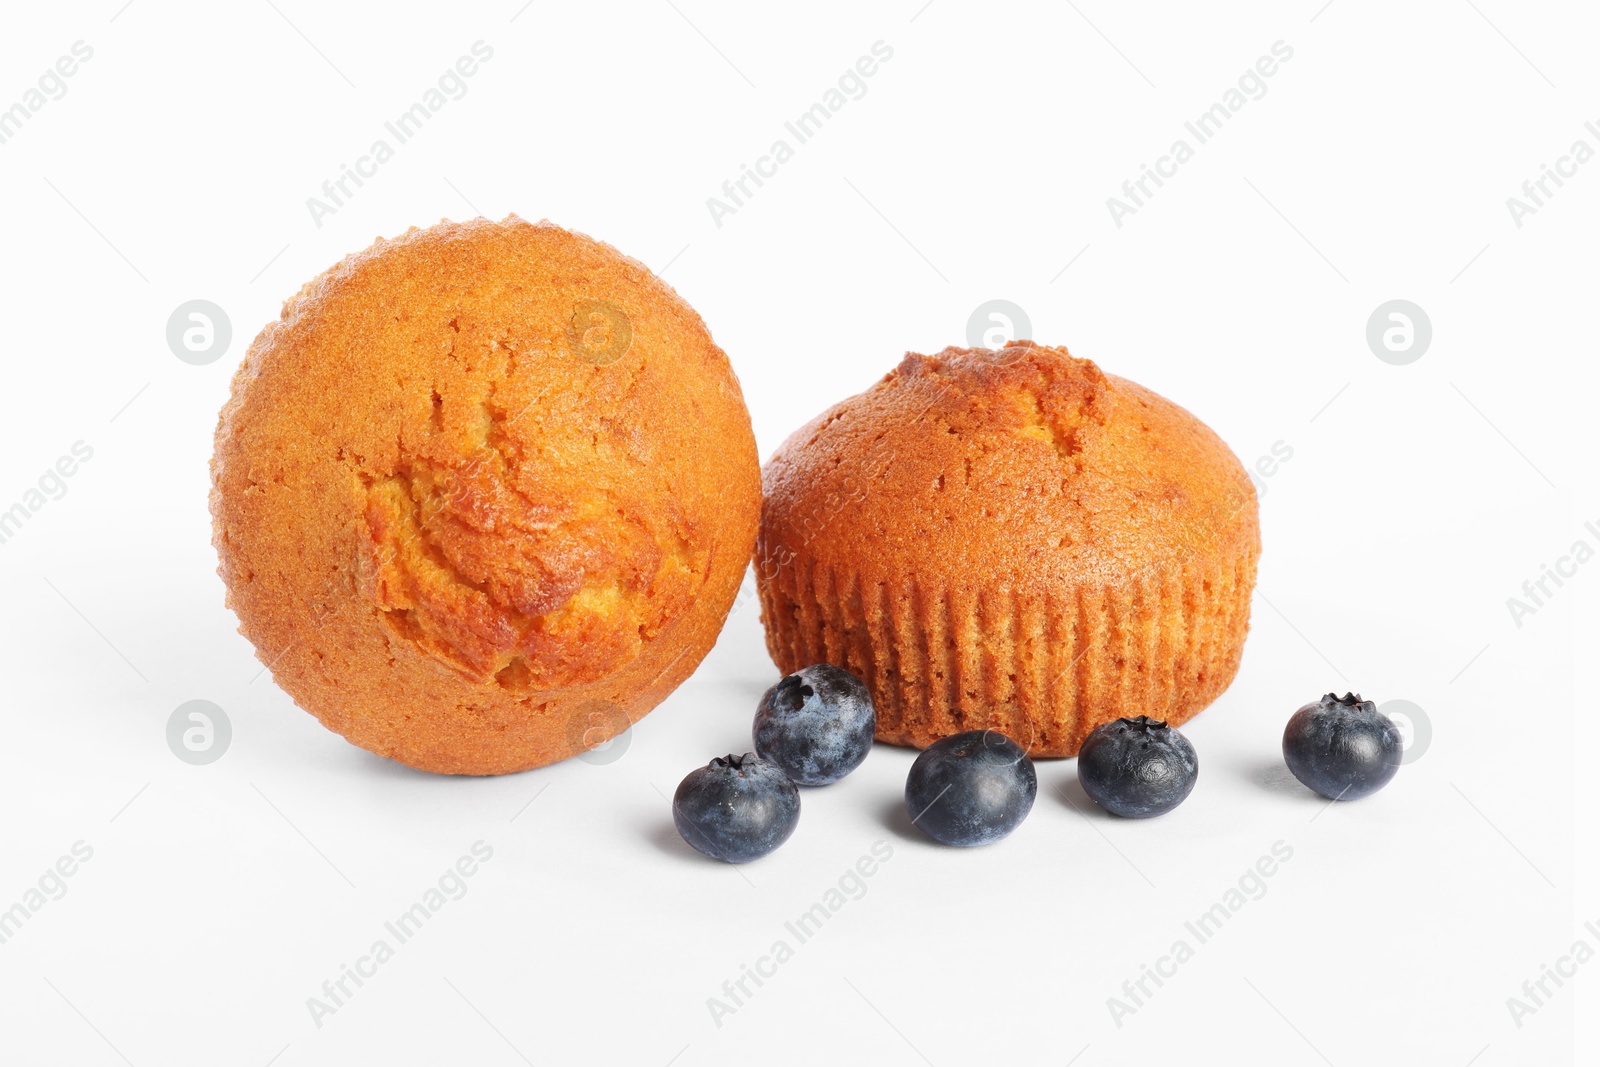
<point x="817" y="724"/>
<point x="736" y="808"/>
<point x="1342" y="747"/>
<point x="971" y="788"/>
<point x="1138" y="767"/>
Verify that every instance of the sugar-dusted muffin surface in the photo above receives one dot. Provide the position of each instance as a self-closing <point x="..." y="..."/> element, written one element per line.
<point x="483" y="495"/>
<point x="1012" y="540"/>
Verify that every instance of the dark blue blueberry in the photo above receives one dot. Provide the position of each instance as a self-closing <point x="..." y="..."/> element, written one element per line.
<point x="736" y="808"/>
<point x="971" y="789"/>
<point x="817" y="724"/>
<point x="1342" y="747"/>
<point x="1138" y="767"/>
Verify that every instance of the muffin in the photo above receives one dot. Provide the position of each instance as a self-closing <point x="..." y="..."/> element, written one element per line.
<point x="1010" y="540"/>
<point x="483" y="495"/>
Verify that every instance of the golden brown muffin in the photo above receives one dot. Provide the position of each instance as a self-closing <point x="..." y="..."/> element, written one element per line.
<point x="1010" y="540"/>
<point x="484" y="494"/>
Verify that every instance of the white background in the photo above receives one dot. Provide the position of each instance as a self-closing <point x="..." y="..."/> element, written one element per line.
<point x="977" y="165"/>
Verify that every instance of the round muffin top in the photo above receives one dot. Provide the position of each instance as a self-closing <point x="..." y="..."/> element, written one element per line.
<point x="493" y="452"/>
<point x="1020" y="465"/>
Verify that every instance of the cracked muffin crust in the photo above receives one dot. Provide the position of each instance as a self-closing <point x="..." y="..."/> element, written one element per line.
<point x="1010" y="540"/>
<point x="483" y="495"/>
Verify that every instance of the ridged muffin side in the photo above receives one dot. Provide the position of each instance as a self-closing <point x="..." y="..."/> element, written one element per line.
<point x="1010" y="540"/>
